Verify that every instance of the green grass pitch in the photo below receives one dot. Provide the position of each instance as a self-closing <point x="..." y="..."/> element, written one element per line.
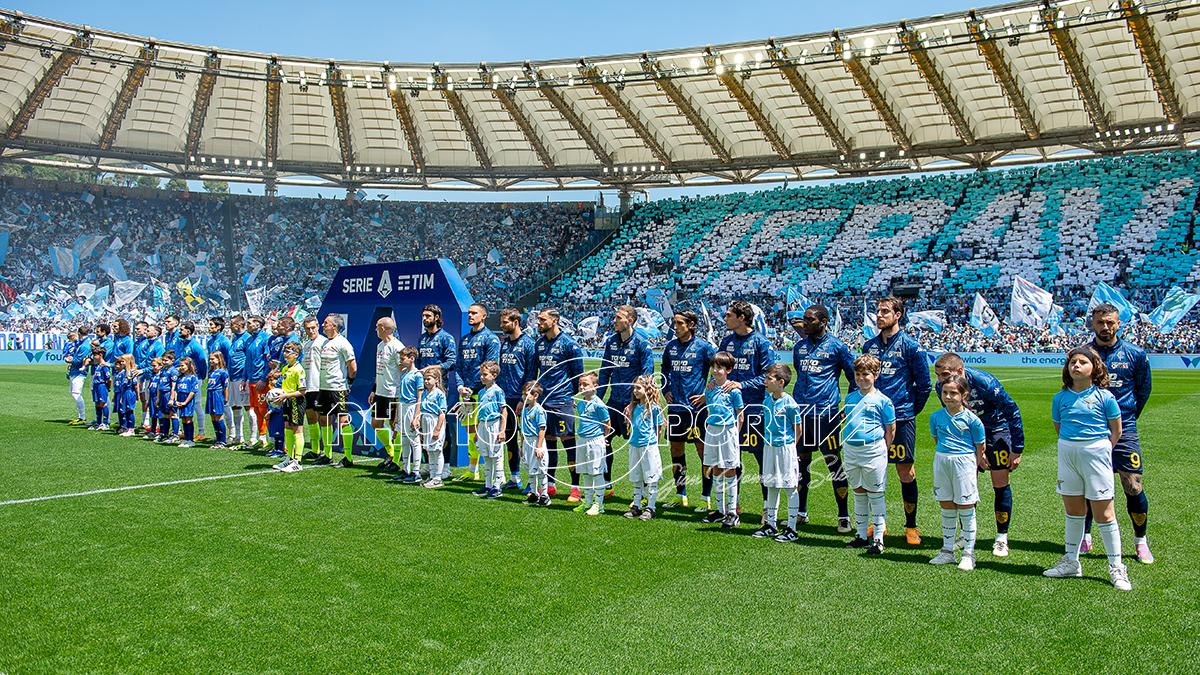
<point x="339" y="571"/>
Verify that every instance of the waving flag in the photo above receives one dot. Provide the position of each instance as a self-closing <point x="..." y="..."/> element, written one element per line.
<point x="932" y="320"/>
<point x="85" y="245"/>
<point x="1105" y="293"/>
<point x="657" y="300"/>
<point x="983" y="318"/>
<point x="706" y="330"/>
<point x="472" y="270"/>
<point x="3" y="247"/>
<point x="650" y="323"/>
<point x="494" y="256"/>
<point x="88" y="197"/>
<point x="125" y="292"/>
<point x="868" y="328"/>
<point x="64" y="262"/>
<point x="797" y="302"/>
<point x="1030" y="306"/>
<point x="588" y="327"/>
<point x="189" y="296"/>
<point x="837" y="321"/>
<point x="760" y="322"/>
<point x="1173" y="308"/>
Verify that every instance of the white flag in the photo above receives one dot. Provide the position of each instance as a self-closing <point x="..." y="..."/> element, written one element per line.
<point x="1030" y="306"/>
<point x="255" y="297"/>
<point x="472" y="270"/>
<point x="837" y="322"/>
<point x="124" y="292"/>
<point x="932" y="320"/>
<point x="983" y="318"/>
<point x="588" y="327"/>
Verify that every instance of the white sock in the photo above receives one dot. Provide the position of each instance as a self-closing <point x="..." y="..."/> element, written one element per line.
<point x="598" y="489"/>
<point x="949" y="528"/>
<point x="793" y="507"/>
<point x="651" y="495"/>
<point x="769" y="512"/>
<point x="731" y="494"/>
<point x="1002" y="536"/>
<point x="1139" y="540"/>
<point x="252" y="418"/>
<point x="145" y="417"/>
<point x="878" y="514"/>
<point x="78" y="404"/>
<point x="585" y="481"/>
<point x="1110" y="533"/>
<point x="862" y="513"/>
<point x="966" y="518"/>
<point x="235" y="431"/>
<point x="637" y="494"/>
<point x="718" y="497"/>
<point x="1074" y="536"/>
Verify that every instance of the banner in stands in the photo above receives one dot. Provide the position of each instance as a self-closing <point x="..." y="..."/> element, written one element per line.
<point x="44" y="357"/>
<point x="1157" y="361"/>
<point x="366" y="293"/>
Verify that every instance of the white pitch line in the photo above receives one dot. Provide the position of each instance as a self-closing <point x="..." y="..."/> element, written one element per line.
<point x="134" y="487"/>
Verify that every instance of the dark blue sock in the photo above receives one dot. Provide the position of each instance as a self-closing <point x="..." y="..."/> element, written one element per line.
<point x="805" y="481"/>
<point x="908" y="492"/>
<point x="175" y="426"/>
<point x="189" y="430"/>
<point x="1003" y="508"/>
<point x="105" y="413"/>
<point x="219" y="426"/>
<point x="1138" y="505"/>
<point x="279" y="444"/>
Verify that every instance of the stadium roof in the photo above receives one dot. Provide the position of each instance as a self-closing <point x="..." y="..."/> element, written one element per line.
<point x="1016" y="83"/>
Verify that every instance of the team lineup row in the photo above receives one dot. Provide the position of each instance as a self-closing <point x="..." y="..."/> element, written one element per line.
<point x="693" y="373"/>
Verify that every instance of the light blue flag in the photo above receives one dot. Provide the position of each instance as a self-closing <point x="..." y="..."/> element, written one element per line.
<point x="3" y="247"/>
<point x="1173" y="308"/>
<point x="85" y="245"/>
<point x="112" y="266"/>
<point x="1106" y="293"/>
<point x="650" y="323"/>
<point x="868" y="328"/>
<point x="797" y="302"/>
<point x="64" y="262"/>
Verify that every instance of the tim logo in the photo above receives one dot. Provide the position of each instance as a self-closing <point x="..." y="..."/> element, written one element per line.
<point x="414" y="282"/>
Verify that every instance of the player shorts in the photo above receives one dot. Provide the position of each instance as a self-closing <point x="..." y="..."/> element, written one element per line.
<point x="998" y="448"/>
<point x="529" y="457"/>
<point x="429" y="441"/>
<point x="382" y="407"/>
<point x="1085" y="469"/>
<point x="780" y="468"/>
<point x="560" y="419"/>
<point x="753" y="439"/>
<point x="617" y="418"/>
<point x="310" y="400"/>
<point x="75" y="383"/>
<point x="955" y="478"/>
<point x="1127" y="455"/>
<point x="685" y="425"/>
<point x="188" y="409"/>
<point x="645" y="464"/>
<point x="100" y="394"/>
<point x="866" y="466"/>
<point x="293" y="411"/>
<point x="214" y="405"/>
<point x="239" y="394"/>
<point x="590" y="456"/>
<point x="820" y="433"/>
<point x="487" y="439"/>
<point x="721" y="447"/>
<point x="904" y="445"/>
<point x="331" y="402"/>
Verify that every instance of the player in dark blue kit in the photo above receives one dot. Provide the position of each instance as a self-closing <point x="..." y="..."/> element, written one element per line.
<point x="752" y="353"/>
<point x="903" y="378"/>
<point x="146" y="347"/>
<point x="1005" y="436"/>
<point x="436" y="348"/>
<point x="478" y="346"/>
<point x="190" y="348"/>
<point x="218" y="343"/>
<point x="557" y="365"/>
<point x="627" y="355"/>
<point x="685" y="363"/>
<point x="1130" y="382"/>
<point x="819" y="359"/>
<point x="516" y="368"/>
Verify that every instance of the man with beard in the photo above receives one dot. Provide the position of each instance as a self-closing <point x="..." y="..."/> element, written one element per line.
<point x="752" y="353"/>
<point x="627" y="355"/>
<point x="516" y="366"/>
<point x="476" y="347"/>
<point x="239" y="386"/>
<point x="189" y="347"/>
<point x="1129" y="381"/>
<point x="820" y="358"/>
<point x="311" y="362"/>
<point x="558" y="363"/>
<point x="685" y="364"/>
<point x="903" y="378"/>
<point x="146" y="348"/>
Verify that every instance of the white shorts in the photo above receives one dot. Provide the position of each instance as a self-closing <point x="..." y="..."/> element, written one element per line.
<point x="955" y="478"/>
<point x="645" y="464"/>
<point x="1085" y="468"/>
<point x="590" y="455"/>
<point x="76" y="384"/>
<point x="721" y="447"/>
<point x="239" y="394"/>
<point x="529" y="458"/>
<point x="430" y="442"/>
<point x="487" y="439"/>
<point x="781" y="467"/>
<point x="404" y="417"/>
<point x="866" y="466"/>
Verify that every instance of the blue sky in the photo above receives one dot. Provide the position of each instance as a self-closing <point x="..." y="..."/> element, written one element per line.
<point x="465" y="31"/>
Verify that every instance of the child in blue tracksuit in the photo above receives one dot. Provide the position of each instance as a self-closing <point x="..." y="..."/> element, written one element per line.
<point x="101" y="383"/>
<point x="152" y="399"/>
<point x="187" y="388"/>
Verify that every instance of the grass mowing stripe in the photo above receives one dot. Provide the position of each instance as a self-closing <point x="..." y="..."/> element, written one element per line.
<point x="134" y="487"/>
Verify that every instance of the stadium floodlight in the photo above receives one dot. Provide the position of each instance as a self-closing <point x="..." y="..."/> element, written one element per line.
<point x="862" y="156"/>
<point x="695" y="64"/>
<point x="739" y="59"/>
<point x="270" y="165"/>
<point x="1171" y="127"/>
<point x="392" y="81"/>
